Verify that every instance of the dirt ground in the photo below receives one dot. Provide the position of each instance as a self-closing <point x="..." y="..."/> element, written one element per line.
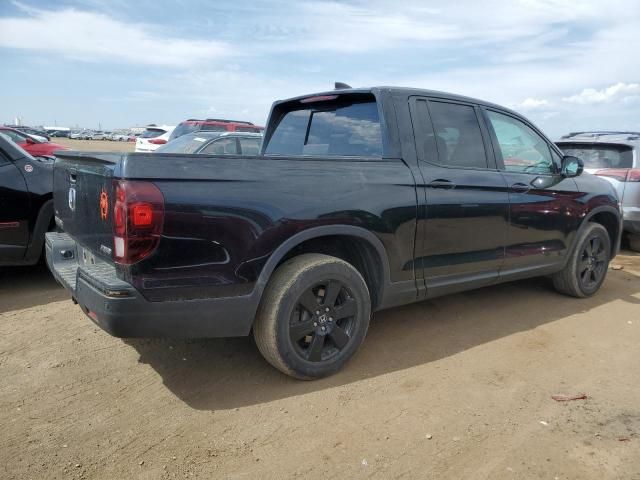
<point x="457" y="387"/>
<point x="96" y="145"/>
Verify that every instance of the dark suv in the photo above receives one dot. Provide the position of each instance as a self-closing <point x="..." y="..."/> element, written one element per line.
<point x="214" y="125"/>
<point x="360" y="200"/>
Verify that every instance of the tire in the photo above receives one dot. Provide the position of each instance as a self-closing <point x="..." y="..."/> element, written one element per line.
<point x="634" y="242"/>
<point x="587" y="265"/>
<point x="324" y="337"/>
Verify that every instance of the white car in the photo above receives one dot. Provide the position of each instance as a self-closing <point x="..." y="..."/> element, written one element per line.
<point x="120" y="137"/>
<point x="98" y="136"/>
<point x="153" y="137"/>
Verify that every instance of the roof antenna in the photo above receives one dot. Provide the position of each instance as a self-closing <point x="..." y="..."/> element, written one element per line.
<point x="341" y="86"/>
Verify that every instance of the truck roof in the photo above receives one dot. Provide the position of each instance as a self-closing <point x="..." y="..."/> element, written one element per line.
<point x="408" y="91"/>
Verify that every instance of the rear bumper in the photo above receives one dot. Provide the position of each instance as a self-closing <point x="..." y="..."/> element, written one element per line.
<point x="116" y="307"/>
<point x="631" y="219"/>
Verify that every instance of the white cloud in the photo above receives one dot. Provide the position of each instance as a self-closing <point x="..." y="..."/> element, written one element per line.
<point x="531" y="104"/>
<point x="95" y="37"/>
<point x="627" y="92"/>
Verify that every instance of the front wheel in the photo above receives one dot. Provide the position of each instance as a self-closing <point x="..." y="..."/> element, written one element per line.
<point x="587" y="265"/>
<point x="313" y="316"/>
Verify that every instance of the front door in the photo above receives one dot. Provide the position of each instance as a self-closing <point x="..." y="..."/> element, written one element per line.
<point x="541" y="200"/>
<point x="464" y="234"/>
<point x="14" y="213"/>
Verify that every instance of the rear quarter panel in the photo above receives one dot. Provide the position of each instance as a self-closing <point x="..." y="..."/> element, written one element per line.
<point x="225" y="216"/>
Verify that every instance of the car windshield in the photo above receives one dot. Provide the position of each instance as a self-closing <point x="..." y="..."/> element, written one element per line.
<point x="152" y="133"/>
<point x="600" y="155"/>
<point x="185" y="144"/>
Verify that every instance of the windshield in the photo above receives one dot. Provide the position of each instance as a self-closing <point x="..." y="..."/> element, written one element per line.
<point x="600" y="155"/>
<point x="185" y="144"/>
<point x="149" y="133"/>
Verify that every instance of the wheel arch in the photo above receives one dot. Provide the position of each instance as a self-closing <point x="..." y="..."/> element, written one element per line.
<point x="610" y="219"/>
<point x="40" y="227"/>
<point x="373" y="263"/>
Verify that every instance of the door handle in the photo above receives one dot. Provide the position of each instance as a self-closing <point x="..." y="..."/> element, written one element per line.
<point x="520" y="187"/>
<point x="442" y="183"/>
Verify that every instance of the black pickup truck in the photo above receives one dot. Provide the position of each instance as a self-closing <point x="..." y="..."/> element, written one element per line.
<point x="361" y="199"/>
<point x="26" y="204"/>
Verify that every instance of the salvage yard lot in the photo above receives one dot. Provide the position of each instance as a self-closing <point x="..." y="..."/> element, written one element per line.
<point x="457" y="387"/>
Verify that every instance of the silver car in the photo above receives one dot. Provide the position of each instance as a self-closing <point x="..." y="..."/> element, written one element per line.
<point x="614" y="157"/>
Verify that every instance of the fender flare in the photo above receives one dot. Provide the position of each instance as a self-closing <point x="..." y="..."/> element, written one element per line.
<point x="318" y="232"/>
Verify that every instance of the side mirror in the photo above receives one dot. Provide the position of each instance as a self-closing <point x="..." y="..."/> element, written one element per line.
<point x="30" y="140"/>
<point x="571" y="166"/>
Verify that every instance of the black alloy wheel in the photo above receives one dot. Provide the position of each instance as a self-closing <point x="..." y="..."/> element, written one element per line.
<point x="322" y="322"/>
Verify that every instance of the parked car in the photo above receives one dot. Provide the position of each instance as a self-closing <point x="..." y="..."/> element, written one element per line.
<point x="214" y="125"/>
<point x="30" y="144"/>
<point x="35" y="133"/>
<point x="614" y="156"/>
<point x="152" y="138"/>
<point x="99" y="135"/>
<point x="215" y="143"/>
<point x="122" y="137"/>
<point x="26" y="197"/>
<point x="361" y="200"/>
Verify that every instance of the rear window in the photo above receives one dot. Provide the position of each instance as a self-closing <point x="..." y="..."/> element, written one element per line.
<point x="148" y="133"/>
<point x="214" y="128"/>
<point x="248" y="129"/>
<point x="183" y="129"/>
<point x="184" y="144"/>
<point x="336" y="128"/>
<point x="600" y="155"/>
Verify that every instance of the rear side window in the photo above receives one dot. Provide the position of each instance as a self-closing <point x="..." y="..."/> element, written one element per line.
<point x="223" y="146"/>
<point x="458" y="136"/>
<point x="337" y="128"/>
<point x="600" y="155"/>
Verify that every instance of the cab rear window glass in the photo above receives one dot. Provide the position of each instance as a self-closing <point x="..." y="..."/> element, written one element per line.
<point x="600" y="155"/>
<point x="342" y="128"/>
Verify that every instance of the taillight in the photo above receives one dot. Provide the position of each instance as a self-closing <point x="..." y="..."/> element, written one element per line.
<point x="158" y="141"/>
<point x="138" y="216"/>
<point x="620" y="174"/>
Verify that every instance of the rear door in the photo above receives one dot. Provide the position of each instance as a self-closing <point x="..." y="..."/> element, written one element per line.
<point x="541" y="200"/>
<point x="14" y="212"/>
<point x="467" y="211"/>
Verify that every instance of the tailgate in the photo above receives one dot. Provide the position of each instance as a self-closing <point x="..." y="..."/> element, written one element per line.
<point x="83" y="198"/>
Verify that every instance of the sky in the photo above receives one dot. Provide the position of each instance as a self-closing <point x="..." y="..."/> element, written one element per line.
<point x="566" y="65"/>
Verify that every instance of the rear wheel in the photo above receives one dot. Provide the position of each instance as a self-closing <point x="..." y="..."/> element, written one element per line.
<point x="313" y="317"/>
<point x="587" y="266"/>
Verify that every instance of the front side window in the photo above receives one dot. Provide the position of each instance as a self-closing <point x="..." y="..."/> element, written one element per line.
<point x="458" y="136"/>
<point x="522" y="149"/>
<point x="223" y="146"/>
<point x="250" y="146"/>
<point x="334" y="128"/>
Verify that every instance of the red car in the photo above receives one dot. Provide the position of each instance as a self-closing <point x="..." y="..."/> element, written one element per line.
<point x="34" y="147"/>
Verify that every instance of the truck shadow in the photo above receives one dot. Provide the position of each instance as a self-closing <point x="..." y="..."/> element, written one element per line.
<point x="24" y="287"/>
<point x="227" y="373"/>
